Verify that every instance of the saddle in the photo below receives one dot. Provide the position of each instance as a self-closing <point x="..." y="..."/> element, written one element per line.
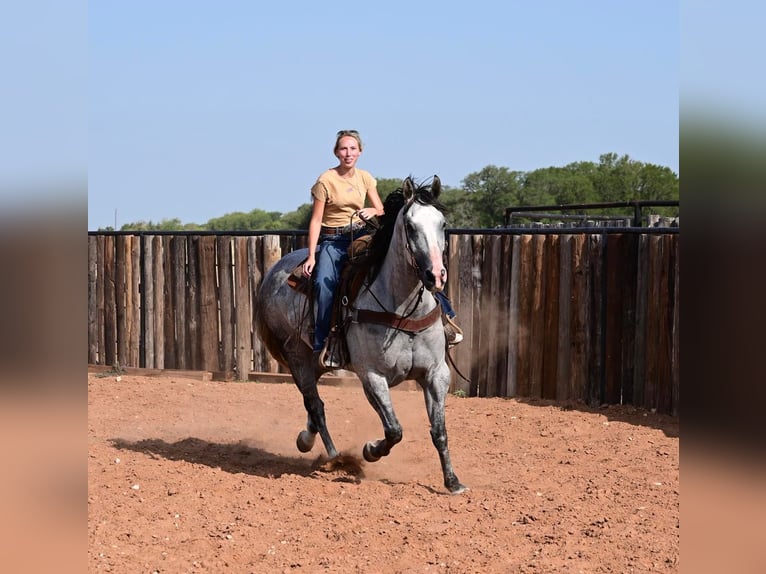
<point x="352" y="277"/>
<point x="358" y="254"/>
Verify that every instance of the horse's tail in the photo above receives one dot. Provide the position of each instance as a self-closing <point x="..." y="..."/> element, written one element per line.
<point x="265" y="333"/>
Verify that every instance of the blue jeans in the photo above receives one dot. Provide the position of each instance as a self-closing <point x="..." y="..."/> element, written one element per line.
<point x="333" y="253"/>
<point x="445" y="303"/>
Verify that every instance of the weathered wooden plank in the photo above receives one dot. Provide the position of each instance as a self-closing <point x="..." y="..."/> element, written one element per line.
<point x="653" y="323"/>
<point x="478" y="368"/>
<point x="92" y="299"/>
<point x="613" y="271"/>
<point x="158" y="271"/>
<point x="461" y="295"/>
<point x="110" y="301"/>
<point x="664" y="329"/>
<point x="537" y="320"/>
<point x="147" y="281"/>
<point x="193" y="320"/>
<point x="642" y="295"/>
<point x="169" y="316"/>
<point x="629" y="259"/>
<point x="491" y="310"/>
<point x="120" y="264"/>
<point x="579" y="330"/>
<point x="243" y="314"/>
<point x="675" y="341"/>
<point x="178" y="246"/>
<point x="564" y="335"/>
<point x="526" y="288"/>
<point x="100" y="305"/>
<point x="127" y="264"/>
<point x="550" y="316"/>
<point x="503" y="300"/>
<point x="134" y="306"/>
<point x="285" y="244"/>
<point x="208" y="304"/>
<point x="514" y="288"/>
<point x="594" y="394"/>
<point x="226" y="295"/>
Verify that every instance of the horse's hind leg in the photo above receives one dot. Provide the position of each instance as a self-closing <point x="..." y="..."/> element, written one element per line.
<point x="306" y="380"/>
<point x="376" y="390"/>
<point x="435" y="395"/>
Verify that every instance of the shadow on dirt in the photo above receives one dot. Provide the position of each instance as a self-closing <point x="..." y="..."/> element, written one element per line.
<point x="233" y="458"/>
<point x="623" y="413"/>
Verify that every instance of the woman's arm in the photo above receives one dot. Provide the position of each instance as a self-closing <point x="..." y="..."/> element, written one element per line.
<point x="377" y="205"/>
<point x="315" y="226"/>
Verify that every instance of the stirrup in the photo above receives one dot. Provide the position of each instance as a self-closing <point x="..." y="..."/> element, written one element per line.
<point x="326" y="359"/>
<point x="452" y="331"/>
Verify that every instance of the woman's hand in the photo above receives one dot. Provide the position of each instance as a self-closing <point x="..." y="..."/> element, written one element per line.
<point x="367" y="213"/>
<point x="308" y="266"/>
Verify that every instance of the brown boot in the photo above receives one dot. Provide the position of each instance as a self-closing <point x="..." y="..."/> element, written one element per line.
<point x="452" y="331"/>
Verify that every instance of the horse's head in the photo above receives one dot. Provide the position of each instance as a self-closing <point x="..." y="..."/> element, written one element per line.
<point x="424" y="225"/>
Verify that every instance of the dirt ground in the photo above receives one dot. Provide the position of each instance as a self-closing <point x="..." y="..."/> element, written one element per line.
<point x="195" y="476"/>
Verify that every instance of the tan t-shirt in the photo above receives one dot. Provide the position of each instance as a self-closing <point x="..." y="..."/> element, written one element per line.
<point x="342" y="197"/>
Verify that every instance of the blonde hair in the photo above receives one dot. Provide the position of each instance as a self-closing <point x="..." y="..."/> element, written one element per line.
<point x="347" y="133"/>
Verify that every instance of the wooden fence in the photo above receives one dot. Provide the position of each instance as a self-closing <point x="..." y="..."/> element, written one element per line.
<point x="589" y="316"/>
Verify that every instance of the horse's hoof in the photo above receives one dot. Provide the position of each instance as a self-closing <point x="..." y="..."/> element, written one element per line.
<point x="305" y="441"/>
<point x="367" y="452"/>
<point x="458" y="488"/>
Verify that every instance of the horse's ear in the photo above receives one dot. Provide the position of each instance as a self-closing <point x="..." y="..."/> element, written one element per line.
<point x="408" y="187"/>
<point x="436" y="187"/>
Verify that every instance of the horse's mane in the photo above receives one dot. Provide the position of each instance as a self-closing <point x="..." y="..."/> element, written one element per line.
<point x="392" y="205"/>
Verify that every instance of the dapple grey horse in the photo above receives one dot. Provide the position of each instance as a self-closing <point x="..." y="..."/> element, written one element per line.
<point x="393" y="327"/>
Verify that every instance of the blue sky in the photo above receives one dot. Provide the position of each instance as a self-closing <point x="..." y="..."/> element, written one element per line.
<point x="202" y="108"/>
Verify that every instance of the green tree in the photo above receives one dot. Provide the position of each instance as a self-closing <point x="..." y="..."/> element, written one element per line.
<point x="461" y="213"/>
<point x="616" y="178"/>
<point x="387" y="185"/>
<point x="164" y="225"/>
<point x="298" y="219"/>
<point x="490" y="191"/>
<point x="624" y="179"/>
<point x="239" y="221"/>
<point x="561" y="185"/>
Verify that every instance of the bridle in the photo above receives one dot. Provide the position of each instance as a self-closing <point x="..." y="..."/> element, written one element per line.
<point x="388" y="317"/>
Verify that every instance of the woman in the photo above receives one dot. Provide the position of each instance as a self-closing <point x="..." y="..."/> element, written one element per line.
<point x="339" y="196"/>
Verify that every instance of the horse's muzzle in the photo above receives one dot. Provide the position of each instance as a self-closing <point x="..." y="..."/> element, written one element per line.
<point x="434" y="283"/>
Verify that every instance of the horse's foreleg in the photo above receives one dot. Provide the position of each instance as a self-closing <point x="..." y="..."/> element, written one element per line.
<point x="376" y="390"/>
<point x="435" y="396"/>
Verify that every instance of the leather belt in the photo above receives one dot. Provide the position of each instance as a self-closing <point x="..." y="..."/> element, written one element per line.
<point x="342" y="230"/>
